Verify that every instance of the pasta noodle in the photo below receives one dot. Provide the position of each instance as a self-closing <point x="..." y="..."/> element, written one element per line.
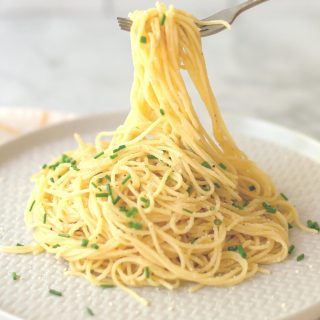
<point x="163" y="202"/>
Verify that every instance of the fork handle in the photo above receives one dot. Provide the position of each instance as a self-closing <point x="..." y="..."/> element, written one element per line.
<point x="249" y="4"/>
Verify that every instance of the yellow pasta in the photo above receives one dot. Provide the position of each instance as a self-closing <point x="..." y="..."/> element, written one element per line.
<point x="164" y="202"/>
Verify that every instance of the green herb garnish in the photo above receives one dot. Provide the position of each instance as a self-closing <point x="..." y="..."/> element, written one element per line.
<point x="163" y="20"/>
<point x="300" y="257"/>
<point x="90" y="312"/>
<point x="238" y="206"/>
<point x="151" y="157"/>
<point x="189" y="190"/>
<point x="63" y="235"/>
<point x="15" y="276"/>
<point x="32" y="205"/>
<point x="102" y="195"/>
<point x="52" y="180"/>
<point x="162" y="112"/>
<point x="222" y="166"/>
<point x="206" y="164"/>
<point x="119" y="148"/>
<point x="19" y="245"/>
<point x="186" y="210"/>
<point x="143" y="39"/>
<point x="291" y="248"/>
<point x="116" y="200"/>
<point x="44" y="166"/>
<point x="269" y="208"/>
<point x="217" y="185"/>
<point x="145" y="201"/>
<point x="84" y="242"/>
<point x="98" y="155"/>
<point x="313" y="225"/>
<point x="217" y="222"/>
<point x="56" y="246"/>
<point x="132" y="212"/>
<point x="44" y="218"/>
<point x="126" y="179"/>
<point x="106" y="286"/>
<point x="146" y="272"/>
<point x="290" y="226"/>
<point x="55" y="292"/>
<point x="284" y="196"/>
<point x="94" y="184"/>
<point x="135" y="225"/>
<point x="113" y="156"/>
<point x="108" y="177"/>
<point x="123" y="209"/>
<point x="109" y="189"/>
<point x="95" y="246"/>
<point x="238" y="248"/>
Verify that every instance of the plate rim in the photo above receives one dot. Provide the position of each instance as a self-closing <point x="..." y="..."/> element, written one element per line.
<point x="288" y="138"/>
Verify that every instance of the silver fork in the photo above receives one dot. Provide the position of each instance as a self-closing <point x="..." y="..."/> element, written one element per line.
<point x="228" y="15"/>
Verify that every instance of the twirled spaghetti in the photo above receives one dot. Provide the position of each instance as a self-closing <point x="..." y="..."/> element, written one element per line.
<point x="163" y="202"/>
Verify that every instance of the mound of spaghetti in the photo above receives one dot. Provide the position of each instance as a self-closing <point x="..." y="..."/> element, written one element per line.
<point x="163" y="202"/>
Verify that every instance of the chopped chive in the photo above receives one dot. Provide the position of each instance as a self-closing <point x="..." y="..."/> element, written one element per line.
<point x="284" y="196"/>
<point x="123" y="209"/>
<point x="94" y="184"/>
<point x="291" y="248"/>
<point x="145" y="201"/>
<point x="95" y="246"/>
<point x="56" y="246"/>
<point x="52" y="180"/>
<point x="19" y="245"/>
<point x="32" y="204"/>
<point x="106" y="286"/>
<point x="206" y="164"/>
<point x="269" y="208"/>
<point x="163" y="20"/>
<point x="193" y="240"/>
<point x="217" y="185"/>
<point x="126" y="179"/>
<point x="135" y="225"/>
<point x="186" y="210"/>
<point x="151" y="157"/>
<point x="222" y="166"/>
<point x="119" y="148"/>
<point x="63" y="235"/>
<point x="109" y="189"/>
<point x="90" y="312"/>
<point x="242" y="252"/>
<point x="205" y="188"/>
<point x="84" y="242"/>
<point x="300" y="257"/>
<point x="252" y="188"/>
<point x="55" y="292"/>
<point x="108" y="177"/>
<point x="44" y="166"/>
<point x="54" y="166"/>
<point x="217" y="222"/>
<point x="238" y="206"/>
<point x="189" y="190"/>
<point x="113" y="156"/>
<point x="102" y="195"/>
<point x="116" y="200"/>
<point x="132" y="212"/>
<point x="290" y="226"/>
<point x="162" y="112"/>
<point x="313" y="225"/>
<point x="146" y="272"/>
<point x="240" y="249"/>
<point x="15" y="276"/>
<point x="98" y="155"/>
<point x="143" y="39"/>
<point x="45" y="218"/>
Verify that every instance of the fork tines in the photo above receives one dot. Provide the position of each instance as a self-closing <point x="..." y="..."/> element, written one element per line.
<point x="124" y="23"/>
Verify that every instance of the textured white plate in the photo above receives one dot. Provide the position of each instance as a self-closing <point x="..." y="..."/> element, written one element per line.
<point x="292" y="291"/>
<point x="16" y="121"/>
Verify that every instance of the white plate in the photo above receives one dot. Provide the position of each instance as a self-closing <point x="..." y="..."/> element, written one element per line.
<point x="292" y="291"/>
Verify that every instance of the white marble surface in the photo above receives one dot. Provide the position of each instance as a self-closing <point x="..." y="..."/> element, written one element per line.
<point x="70" y="55"/>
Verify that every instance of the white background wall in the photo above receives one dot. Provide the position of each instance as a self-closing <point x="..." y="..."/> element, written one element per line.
<point x="70" y="55"/>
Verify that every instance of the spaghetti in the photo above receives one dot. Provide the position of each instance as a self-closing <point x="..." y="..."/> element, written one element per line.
<point x="163" y="202"/>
